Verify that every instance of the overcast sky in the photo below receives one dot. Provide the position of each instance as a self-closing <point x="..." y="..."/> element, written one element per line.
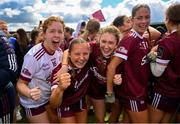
<point x="27" y="13"/>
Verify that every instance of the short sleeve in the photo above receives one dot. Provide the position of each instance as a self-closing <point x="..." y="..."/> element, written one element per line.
<point x="29" y="67"/>
<point x="163" y="53"/>
<point x="125" y="48"/>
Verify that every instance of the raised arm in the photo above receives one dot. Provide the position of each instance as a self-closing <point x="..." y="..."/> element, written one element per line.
<point x="63" y="69"/>
<point x="58" y="90"/>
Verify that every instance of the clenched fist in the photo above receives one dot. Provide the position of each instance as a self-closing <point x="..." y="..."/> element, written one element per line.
<point x="35" y="93"/>
<point x="64" y="80"/>
<point x="117" y="79"/>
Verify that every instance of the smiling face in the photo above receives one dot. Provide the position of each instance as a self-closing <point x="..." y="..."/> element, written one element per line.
<point x="108" y="43"/>
<point x="53" y="36"/>
<point x="141" y="20"/>
<point x="79" y="54"/>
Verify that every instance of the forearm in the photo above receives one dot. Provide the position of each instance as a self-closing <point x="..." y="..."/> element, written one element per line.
<point x="65" y="57"/>
<point x="23" y="89"/>
<point x="56" y="97"/>
<point x="57" y="93"/>
<point x="110" y="74"/>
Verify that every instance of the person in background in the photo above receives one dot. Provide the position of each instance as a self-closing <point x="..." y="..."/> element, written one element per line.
<point x="91" y="29"/>
<point x="132" y="55"/>
<point x="165" y="100"/>
<point x="33" y="41"/>
<point x="34" y="85"/>
<point x="40" y="37"/>
<point x="11" y="39"/>
<point x="13" y="43"/>
<point x="22" y="41"/>
<point x="79" y="29"/>
<point x="69" y="89"/>
<point x="68" y="36"/>
<point x="123" y="23"/>
<point x="18" y="43"/>
<point x="83" y="25"/>
<point x="8" y="75"/>
<point x="4" y="27"/>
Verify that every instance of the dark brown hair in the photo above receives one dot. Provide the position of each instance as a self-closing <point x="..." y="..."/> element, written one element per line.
<point x="22" y="40"/>
<point x="173" y="14"/>
<point x="119" y="20"/>
<point x="137" y="7"/>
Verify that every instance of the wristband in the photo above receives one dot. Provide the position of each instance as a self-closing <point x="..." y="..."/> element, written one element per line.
<point x="109" y="97"/>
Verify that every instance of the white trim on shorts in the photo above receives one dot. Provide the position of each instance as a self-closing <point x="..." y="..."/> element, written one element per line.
<point x="134" y="106"/>
<point x="156" y="100"/>
<point x="81" y="104"/>
<point x="28" y="112"/>
<point x="59" y="112"/>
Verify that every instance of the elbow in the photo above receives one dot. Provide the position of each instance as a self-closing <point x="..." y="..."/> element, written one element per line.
<point x="19" y="87"/>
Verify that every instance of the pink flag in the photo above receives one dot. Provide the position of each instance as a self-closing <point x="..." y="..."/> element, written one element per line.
<point x="99" y="15"/>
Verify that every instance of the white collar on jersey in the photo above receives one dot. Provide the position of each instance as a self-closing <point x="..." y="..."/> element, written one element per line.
<point x="141" y="37"/>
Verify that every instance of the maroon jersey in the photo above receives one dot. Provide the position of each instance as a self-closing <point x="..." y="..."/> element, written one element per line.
<point x="78" y="87"/>
<point x="98" y="67"/>
<point x="98" y="64"/>
<point x="136" y="71"/>
<point x="168" y="53"/>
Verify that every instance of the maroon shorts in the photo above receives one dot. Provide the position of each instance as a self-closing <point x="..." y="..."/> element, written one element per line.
<point x="133" y="105"/>
<point x="70" y="110"/>
<point x="97" y="90"/>
<point x="164" y="103"/>
<point x="35" y="111"/>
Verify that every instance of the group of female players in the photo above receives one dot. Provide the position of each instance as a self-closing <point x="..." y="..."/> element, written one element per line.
<point x="60" y="88"/>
